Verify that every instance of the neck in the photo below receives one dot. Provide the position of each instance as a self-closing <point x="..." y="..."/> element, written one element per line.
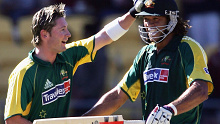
<point x="45" y="55"/>
<point x="166" y="40"/>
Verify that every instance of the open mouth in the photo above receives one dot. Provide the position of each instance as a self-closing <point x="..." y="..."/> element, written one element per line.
<point x="152" y="31"/>
<point x="64" y="42"/>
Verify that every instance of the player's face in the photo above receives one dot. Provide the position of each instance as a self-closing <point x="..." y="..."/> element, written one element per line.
<point x="153" y="23"/>
<point x="59" y="36"/>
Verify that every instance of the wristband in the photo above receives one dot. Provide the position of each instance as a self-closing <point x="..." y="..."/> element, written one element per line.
<point x="114" y="30"/>
<point x="133" y="12"/>
<point x="174" y="108"/>
<point x="168" y="108"/>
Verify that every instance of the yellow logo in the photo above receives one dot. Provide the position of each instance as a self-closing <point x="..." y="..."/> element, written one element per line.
<point x="43" y="114"/>
<point x="149" y="4"/>
<point x="143" y="95"/>
<point x="63" y="72"/>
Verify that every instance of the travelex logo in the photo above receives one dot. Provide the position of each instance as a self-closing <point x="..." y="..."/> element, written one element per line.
<point x="156" y="74"/>
<point x="51" y="95"/>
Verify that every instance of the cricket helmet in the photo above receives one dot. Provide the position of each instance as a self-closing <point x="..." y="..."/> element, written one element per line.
<point x="158" y="8"/>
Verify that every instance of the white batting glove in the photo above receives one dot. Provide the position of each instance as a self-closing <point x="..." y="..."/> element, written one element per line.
<point x="160" y="115"/>
<point x="138" y="4"/>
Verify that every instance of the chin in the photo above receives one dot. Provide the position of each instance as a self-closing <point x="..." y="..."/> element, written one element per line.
<point x="151" y="40"/>
<point x="63" y="49"/>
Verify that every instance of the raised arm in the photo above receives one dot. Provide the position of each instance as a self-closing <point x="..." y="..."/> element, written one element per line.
<point x="117" y="28"/>
<point x="109" y="103"/>
<point x="113" y="30"/>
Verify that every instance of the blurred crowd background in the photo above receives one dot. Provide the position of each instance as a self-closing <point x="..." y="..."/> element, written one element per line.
<point x="87" y="17"/>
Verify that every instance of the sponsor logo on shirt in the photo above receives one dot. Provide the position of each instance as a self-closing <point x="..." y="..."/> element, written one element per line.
<point x="206" y="70"/>
<point x="60" y="90"/>
<point x="48" y="84"/>
<point x="156" y="74"/>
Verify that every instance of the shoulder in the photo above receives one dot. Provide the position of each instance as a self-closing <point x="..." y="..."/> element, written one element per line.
<point x="148" y="48"/>
<point x="190" y="42"/>
<point x="84" y="42"/>
<point x="190" y="47"/>
<point x="145" y="49"/>
<point x="23" y="71"/>
<point x="84" y="46"/>
<point x="23" y="67"/>
<point x="142" y="51"/>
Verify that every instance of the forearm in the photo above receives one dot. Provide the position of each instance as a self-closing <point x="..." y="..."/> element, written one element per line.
<point x="108" y="104"/>
<point x="104" y="106"/>
<point x="192" y="97"/>
<point x="105" y="37"/>
<point x="126" y="21"/>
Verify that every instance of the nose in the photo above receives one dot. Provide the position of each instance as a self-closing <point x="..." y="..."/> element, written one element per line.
<point x="68" y="34"/>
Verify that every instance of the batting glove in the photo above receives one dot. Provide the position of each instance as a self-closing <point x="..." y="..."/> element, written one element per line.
<point x="138" y="5"/>
<point x="160" y="115"/>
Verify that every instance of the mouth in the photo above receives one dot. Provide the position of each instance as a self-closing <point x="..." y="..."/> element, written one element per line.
<point x="64" y="42"/>
<point x="152" y="33"/>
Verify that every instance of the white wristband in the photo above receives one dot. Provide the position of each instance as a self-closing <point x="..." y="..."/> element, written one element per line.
<point x="114" y="30"/>
<point x="174" y="108"/>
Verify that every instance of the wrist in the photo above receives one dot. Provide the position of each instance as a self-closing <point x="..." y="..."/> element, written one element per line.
<point x="173" y="108"/>
<point x="114" y="30"/>
<point x="133" y="11"/>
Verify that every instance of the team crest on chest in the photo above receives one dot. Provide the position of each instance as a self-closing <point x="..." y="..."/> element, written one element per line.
<point x="63" y="74"/>
<point x="166" y="60"/>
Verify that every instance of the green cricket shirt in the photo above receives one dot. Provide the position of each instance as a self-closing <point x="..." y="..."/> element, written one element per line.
<point x="39" y="89"/>
<point x="162" y="77"/>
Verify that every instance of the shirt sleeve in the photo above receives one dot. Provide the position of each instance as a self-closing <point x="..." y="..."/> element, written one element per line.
<point x="81" y="51"/>
<point x="131" y="83"/>
<point x="18" y="100"/>
<point x="195" y="63"/>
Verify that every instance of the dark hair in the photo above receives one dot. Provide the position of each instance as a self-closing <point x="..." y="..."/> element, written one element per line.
<point x="181" y="27"/>
<point x="45" y="19"/>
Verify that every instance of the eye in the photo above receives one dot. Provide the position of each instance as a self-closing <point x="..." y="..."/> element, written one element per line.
<point x="146" y="20"/>
<point x="156" y="19"/>
<point x="63" y="28"/>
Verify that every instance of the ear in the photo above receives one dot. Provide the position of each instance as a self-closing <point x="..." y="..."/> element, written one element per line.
<point x="44" y="34"/>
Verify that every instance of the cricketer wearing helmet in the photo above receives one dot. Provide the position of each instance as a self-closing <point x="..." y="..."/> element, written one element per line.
<point x="170" y="72"/>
